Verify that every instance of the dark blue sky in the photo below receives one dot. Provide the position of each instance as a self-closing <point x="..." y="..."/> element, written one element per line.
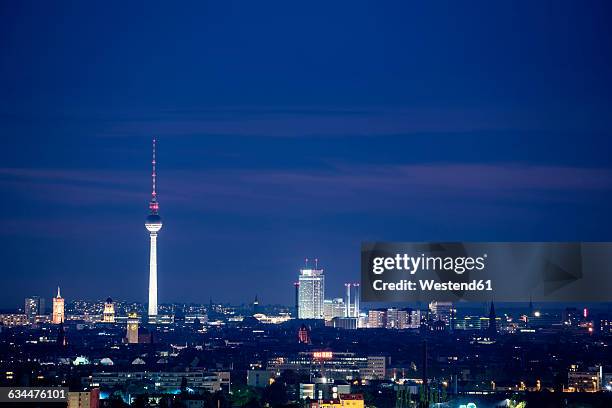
<point x="290" y="130"/>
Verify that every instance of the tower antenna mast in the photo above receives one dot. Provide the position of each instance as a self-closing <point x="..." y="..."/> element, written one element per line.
<point x="154" y="205"/>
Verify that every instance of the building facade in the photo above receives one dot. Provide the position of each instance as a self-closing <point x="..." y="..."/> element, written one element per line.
<point x="311" y="294"/>
<point x="108" y="316"/>
<point x="58" y="308"/>
<point x="34" y="306"/>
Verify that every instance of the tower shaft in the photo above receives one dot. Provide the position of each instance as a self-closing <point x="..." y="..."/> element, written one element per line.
<point x="153" y="276"/>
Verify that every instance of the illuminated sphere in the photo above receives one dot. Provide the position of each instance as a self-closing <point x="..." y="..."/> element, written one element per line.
<point x="153" y="223"/>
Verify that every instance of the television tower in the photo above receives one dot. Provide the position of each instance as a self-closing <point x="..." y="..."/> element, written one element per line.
<point x="153" y="224"/>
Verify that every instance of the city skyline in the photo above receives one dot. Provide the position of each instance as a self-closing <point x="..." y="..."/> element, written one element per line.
<point x="280" y="147"/>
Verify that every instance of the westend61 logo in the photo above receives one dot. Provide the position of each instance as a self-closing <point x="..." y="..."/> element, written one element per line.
<point x="413" y="264"/>
<point x="478" y="271"/>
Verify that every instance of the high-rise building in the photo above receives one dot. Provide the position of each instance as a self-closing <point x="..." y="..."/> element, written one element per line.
<point x="153" y="224"/>
<point x="357" y="300"/>
<point x="34" y="306"/>
<point x="334" y="308"/>
<point x="352" y="308"/>
<point x="108" y="315"/>
<point x="132" y="328"/>
<point x="311" y="293"/>
<point x="58" y="308"/>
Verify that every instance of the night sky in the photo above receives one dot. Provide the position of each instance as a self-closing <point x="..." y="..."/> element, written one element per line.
<point x="289" y="130"/>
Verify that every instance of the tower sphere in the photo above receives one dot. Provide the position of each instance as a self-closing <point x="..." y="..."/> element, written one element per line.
<point x="153" y="223"/>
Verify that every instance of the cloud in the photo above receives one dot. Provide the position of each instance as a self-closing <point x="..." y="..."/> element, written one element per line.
<point x="305" y="121"/>
<point x="340" y="188"/>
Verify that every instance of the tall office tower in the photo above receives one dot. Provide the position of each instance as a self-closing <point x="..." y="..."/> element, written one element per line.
<point x="108" y="316"/>
<point x="441" y="311"/>
<point x="132" y="328"/>
<point x="34" y="306"/>
<point x="58" y="308"/>
<point x="348" y="300"/>
<point x="357" y="299"/>
<point x="311" y="292"/>
<point x="334" y="308"/>
<point x="153" y="225"/>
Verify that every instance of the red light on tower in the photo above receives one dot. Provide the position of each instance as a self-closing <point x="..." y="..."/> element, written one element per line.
<point x="585" y="312"/>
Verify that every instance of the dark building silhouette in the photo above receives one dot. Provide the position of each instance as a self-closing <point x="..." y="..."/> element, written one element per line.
<point x="492" y="329"/>
<point x="61" y="335"/>
<point x="256" y="305"/>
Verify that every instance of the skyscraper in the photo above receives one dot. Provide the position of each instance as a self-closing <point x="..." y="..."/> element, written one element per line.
<point x="311" y="292"/>
<point x="58" y="308"/>
<point x="34" y="306"/>
<point x="153" y="225"/>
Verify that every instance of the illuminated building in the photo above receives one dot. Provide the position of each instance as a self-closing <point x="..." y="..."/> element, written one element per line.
<point x="132" y="328"/>
<point x="311" y="292"/>
<point x="14" y="319"/>
<point x="347" y="323"/>
<point x="545" y="319"/>
<point x="34" y="306"/>
<point x="153" y="224"/>
<point x="408" y="319"/>
<point x="357" y="297"/>
<point x="377" y="318"/>
<point x="58" y="308"/>
<point x="334" y="308"/>
<point x="331" y="365"/>
<point x="352" y="309"/>
<point x="164" y="381"/>
<point x="471" y="323"/>
<point x="392" y="319"/>
<point x="605" y="325"/>
<point x="108" y="316"/>
<point x="343" y="401"/>
<point x="442" y="311"/>
<point x="584" y="381"/>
